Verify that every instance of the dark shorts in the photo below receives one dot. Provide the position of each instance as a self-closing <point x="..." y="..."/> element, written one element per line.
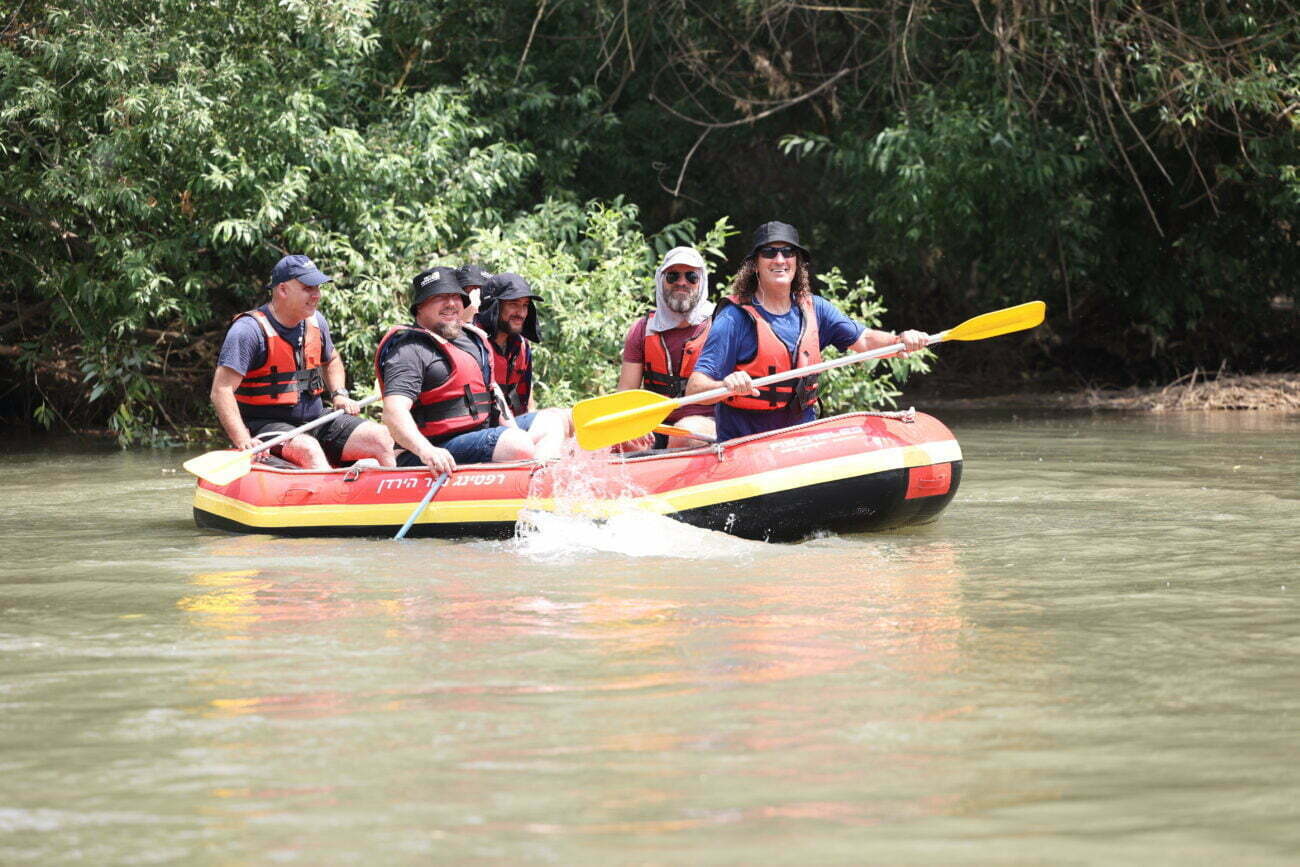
<point x="332" y="435"/>
<point x="474" y="447"/>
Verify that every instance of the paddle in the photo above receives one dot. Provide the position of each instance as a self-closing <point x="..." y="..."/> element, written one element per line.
<point x="504" y="405"/>
<point x="672" y="430"/>
<point x="223" y="467"/>
<point x="419" y="509"/>
<point x="624" y="415"/>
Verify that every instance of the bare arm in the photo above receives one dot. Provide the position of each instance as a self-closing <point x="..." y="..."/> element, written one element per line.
<point x="737" y="382"/>
<point x="629" y="376"/>
<point x="873" y="339"/>
<point x="224" y="383"/>
<point x="397" y="416"/>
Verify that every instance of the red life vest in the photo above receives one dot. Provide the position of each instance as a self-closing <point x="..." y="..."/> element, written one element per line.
<point x="463" y="402"/>
<point x="284" y="378"/>
<point x="513" y="372"/>
<point x="658" y="373"/>
<point x="773" y="356"/>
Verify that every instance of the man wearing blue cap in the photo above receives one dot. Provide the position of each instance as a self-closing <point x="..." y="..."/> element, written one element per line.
<point x="773" y="323"/>
<point x="275" y="364"/>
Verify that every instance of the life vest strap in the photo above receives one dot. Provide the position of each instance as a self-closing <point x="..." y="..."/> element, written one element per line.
<point x="667" y="384"/>
<point x="282" y="381"/>
<point x="473" y="403"/>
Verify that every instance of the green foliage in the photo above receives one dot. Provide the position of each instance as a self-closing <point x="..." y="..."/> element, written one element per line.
<point x="871" y="384"/>
<point x="159" y="158"/>
<point x="595" y="270"/>
<point x="1133" y="164"/>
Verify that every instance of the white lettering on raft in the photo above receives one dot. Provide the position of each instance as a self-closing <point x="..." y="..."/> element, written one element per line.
<point x="456" y="481"/>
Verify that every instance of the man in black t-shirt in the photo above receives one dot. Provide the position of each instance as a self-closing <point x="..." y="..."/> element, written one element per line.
<point x="435" y="377"/>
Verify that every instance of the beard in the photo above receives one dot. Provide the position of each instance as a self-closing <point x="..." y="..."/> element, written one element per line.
<point x="682" y="303"/>
<point x="448" y="330"/>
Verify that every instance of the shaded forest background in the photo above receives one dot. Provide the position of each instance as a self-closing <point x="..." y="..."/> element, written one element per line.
<point x="1133" y="164"/>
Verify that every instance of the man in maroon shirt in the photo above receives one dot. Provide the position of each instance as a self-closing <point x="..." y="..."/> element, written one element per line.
<point x="660" y="349"/>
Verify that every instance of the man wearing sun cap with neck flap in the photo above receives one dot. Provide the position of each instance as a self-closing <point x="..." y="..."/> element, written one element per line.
<point x="772" y="323"/>
<point x="661" y="348"/>
<point x="276" y="362"/>
<point x="508" y="314"/>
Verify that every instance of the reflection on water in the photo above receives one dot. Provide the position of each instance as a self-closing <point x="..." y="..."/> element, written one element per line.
<point x="1088" y="659"/>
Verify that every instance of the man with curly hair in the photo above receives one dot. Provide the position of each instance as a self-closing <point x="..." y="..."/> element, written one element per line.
<point x="773" y="322"/>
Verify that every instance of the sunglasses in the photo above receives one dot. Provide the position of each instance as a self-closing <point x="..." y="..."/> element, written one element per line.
<point x="773" y="252"/>
<point x="691" y="277"/>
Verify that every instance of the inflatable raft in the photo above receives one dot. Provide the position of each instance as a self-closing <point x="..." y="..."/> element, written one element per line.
<point x="860" y="471"/>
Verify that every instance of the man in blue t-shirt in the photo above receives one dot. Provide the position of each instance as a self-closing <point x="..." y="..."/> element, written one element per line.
<point x="775" y="324"/>
<point x="275" y="363"/>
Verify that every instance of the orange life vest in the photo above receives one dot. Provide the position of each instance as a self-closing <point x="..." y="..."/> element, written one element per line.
<point x="658" y="373"/>
<point x="463" y="402"/>
<point x="773" y="356"/>
<point x="514" y="373"/>
<point x="286" y="376"/>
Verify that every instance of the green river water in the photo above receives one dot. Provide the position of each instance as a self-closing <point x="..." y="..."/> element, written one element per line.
<point x="1091" y="658"/>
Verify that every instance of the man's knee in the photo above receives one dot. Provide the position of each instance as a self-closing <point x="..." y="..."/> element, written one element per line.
<point x="513" y="445"/>
<point x="304" y="451"/>
<point x="369" y="440"/>
<point x="551" y="422"/>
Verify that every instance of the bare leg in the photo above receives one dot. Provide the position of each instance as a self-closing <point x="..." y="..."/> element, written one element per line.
<point x="515" y="445"/>
<point x="304" y="451"/>
<point x="548" y="432"/>
<point x="370" y="440"/>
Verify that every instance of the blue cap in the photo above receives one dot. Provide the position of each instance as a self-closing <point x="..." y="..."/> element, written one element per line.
<point x="296" y="268"/>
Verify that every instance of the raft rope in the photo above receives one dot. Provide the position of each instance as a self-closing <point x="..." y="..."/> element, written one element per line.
<point x="907" y="416"/>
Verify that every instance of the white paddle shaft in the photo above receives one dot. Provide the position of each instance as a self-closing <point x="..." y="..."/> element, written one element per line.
<point x="275" y="441"/>
<point x="842" y="361"/>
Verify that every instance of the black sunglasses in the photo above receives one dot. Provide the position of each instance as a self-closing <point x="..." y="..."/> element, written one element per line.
<point x="691" y="277"/>
<point x="773" y="252"/>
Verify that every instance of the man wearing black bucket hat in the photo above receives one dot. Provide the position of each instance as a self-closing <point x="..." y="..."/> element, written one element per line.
<point x="508" y="313"/>
<point x="276" y="362"/>
<point x="773" y="322"/>
<point x="435" y="375"/>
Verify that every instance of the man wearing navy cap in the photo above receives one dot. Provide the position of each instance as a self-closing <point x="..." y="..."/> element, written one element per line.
<point x="275" y="364"/>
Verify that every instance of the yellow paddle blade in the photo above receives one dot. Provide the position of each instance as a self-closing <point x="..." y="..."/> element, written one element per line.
<point x="220" y="468"/>
<point x="614" y="418"/>
<point x="998" y="322"/>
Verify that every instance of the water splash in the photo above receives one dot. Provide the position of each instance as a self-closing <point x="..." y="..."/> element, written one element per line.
<point x="593" y="506"/>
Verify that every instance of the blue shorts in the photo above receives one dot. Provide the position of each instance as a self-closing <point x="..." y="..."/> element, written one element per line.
<point x="472" y="447"/>
<point x="525" y="421"/>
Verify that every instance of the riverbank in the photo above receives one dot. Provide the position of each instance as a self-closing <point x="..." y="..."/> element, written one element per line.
<point x="1279" y="392"/>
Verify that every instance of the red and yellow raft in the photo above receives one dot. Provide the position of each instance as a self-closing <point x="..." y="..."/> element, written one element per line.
<point x="859" y="471"/>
